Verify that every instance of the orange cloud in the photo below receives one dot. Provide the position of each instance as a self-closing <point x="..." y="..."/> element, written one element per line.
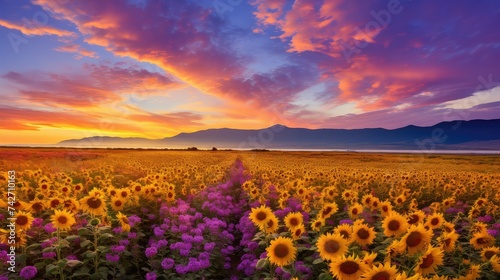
<point x="30" y="29"/>
<point x="74" y="48"/>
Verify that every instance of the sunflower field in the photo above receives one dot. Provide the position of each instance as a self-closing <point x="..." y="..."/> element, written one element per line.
<point x="151" y="214"/>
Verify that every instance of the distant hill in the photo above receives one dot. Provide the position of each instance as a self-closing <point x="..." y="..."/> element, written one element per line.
<point x="462" y="135"/>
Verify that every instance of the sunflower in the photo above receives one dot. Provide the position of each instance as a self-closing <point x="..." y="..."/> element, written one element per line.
<point x="448" y="240"/>
<point x="347" y="195"/>
<point x="435" y="220"/>
<point x="448" y="227"/>
<point x="298" y="232"/>
<point x="23" y="220"/>
<point x="430" y="260"/>
<point x="416" y="239"/>
<point x="123" y="219"/>
<point x="281" y="251"/>
<point x="400" y="199"/>
<point x="96" y="192"/>
<point x="170" y="196"/>
<point x="123" y="194"/>
<point x="367" y="200"/>
<point x="415" y="217"/>
<point x="328" y="210"/>
<point x="382" y="271"/>
<point x="54" y="203"/>
<point x="293" y="220"/>
<point x="271" y="225"/>
<point x="62" y="219"/>
<point x="348" y="268"/>
<point x="385" y="208"/>
<point x="369" y="258"/>
<point x="355" y="210"/>
<point x="396" y="247"/>
<point x="71" y="204"/>
<point x="259" y="216"/>
<point x="78" y="188"/>
<point x="495" y="263"/>
<point x="489" y="252"/>
<point x="403" y="276"/>
<point x="331" y="246"/>
<point x="93" y="205"/>
<point x="19" y="240"/>
<point x="363" y="234"/>
<point x="482" y="240"/>
<point x="117" y="203"/>
<point x="36" y="206"/>
<point x="345" y="231"/>
<point x="317" y="224"/>
<point x="394" y="224"/>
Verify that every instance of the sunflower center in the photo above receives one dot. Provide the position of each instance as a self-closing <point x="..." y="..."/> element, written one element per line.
<point x="170" y="195"/>
<point x="414" y="239"/>
<point x="94" y="202"/>
<point x="385" y="208"/>
<point x="124" y="194"/>
<point x="363" y="233"/>
<point x="118" y="203"/>
<point x="375" y="204"/>
<point x="298" y="232"/>
<point x="327" y="211"/>
<point x="62" y="220"/>
<point x="393" y="225"/>
<point x="427" y="261"/>
<point x="270" y="223"/>
<point x="489" y="254"/>
<point x="281" y="251"/>
<point x="124" y="220"/>
<point x="261" y="216"/>
<point x="54" y="203"/>
<point x="482" y="240"/>
<point x="349" y="267"/>
<point x="22" y="220"/>
<point x="294" y="221"/>
<point x="413" y="219"/>
<point x="354" y="211"/>
<point x="37" y="206"/>
<point x="435" y="221"/>
<point x="344" y="234"/>
<point x="383" y="275"/>
<point x="332" y="246"/>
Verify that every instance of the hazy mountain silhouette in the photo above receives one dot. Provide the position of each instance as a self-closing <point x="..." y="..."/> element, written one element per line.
<point x="474" y="134"/>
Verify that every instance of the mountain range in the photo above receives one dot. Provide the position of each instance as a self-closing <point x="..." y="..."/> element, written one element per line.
<point x="455" y="135"/>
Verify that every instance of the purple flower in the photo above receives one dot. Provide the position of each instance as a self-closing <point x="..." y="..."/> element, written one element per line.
<point x="151" y="276"/>
<point x="112" y="258"/>
<point x="151" y="251"/>
<point x="118" y="230"/>
<point x="167" y="263"/>
<point x="485" y="219"/>
<point x="134" y="219"/>
<point x="346" y="221"/>
<point x="132" y="235"/>
<point x="158" y="231"/>
<point x="49" y="228"/>
<point x="37" y="222"/>
<point x="124" y="242"/>
<point x="493" y="232"/>
<point x="28" y="272"/>
<point x="209" y="246"/>
<point x="117" y="249"/>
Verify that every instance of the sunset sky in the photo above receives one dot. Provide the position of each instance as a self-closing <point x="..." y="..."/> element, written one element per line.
<point x="146" y="68"/>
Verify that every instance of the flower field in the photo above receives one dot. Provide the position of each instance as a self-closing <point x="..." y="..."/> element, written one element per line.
<point x="131" y="214"/>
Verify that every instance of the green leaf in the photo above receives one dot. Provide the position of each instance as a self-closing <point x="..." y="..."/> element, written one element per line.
<point x="261" y="263"/>
<point x="325" y="276"/>
<point x="318" y="261"/>
<point x="48" y="249"/>
<point x="52" y="269"/>
<point x="85" y="243"/>
<point x="72" y="263"/>
<point x="72" y="237"/>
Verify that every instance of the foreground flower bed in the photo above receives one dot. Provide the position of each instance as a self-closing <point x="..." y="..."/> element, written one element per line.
<point x="250" y="223"/>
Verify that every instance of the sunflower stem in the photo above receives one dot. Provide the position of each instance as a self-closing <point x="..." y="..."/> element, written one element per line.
<point x="58" y="250"/>
<point x="96" y="258"/>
